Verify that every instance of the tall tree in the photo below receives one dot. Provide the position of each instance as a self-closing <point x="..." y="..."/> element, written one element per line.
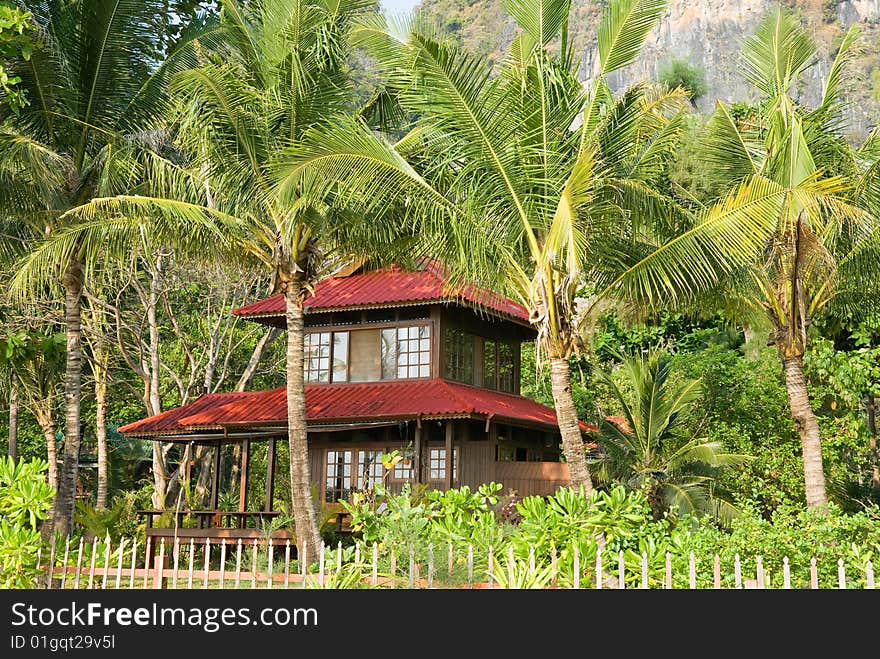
<point x="95" y="86"/>
<point x="283" y="69"/>
<point x="523" y="179"/>
<point x="821" y="238"/>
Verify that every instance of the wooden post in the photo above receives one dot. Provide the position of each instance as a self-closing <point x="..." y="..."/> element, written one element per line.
<point x="598" y="569"/>
<point x="269" y="578"/>
<point x="243" y="486"/>
<point x="450" y="456"/>
<point x="254" y="566"/>
<point x="417" y="452"/>
<point x="814" y="574"/>
<point x="215" y="483"/>
<point x="841" y="575"/>
<point x="621" y="571"/>
<point x="270" y="474"/>
<point x="716" y="572"/>
<point x="157" y="582"/>
<point x="692" y="572"/>
<point x="786" y="573"/>
<point x="238" y="564"/>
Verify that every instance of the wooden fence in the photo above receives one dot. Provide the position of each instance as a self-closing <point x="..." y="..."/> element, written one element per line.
<point x="272" y="564"/>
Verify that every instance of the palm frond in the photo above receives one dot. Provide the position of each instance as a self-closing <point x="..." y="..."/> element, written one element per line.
<point x="625" y="26"/>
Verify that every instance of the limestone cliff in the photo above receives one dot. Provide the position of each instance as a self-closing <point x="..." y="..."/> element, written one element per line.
<point x="706" y="33"/>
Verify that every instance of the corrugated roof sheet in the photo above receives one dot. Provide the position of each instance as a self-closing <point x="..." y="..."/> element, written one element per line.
<point x="387" y="287"/>
<point x="366" y="401"/>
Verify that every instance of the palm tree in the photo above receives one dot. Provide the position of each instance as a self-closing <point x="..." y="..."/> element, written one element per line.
<point x="524" y="179"/>
<point x="95" y="86"/>
<point x="649" y="448"/>
<point x="281" y="69"/>
<point x="821" y="197"/>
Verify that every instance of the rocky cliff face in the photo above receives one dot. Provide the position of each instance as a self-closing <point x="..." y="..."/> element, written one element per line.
<point x="707" y="34"/>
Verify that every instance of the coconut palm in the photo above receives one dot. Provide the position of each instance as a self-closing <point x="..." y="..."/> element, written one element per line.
<point x="524" y="178"/>
<point x="821" y="243"/>
<point x="649" y="448"/>
<point x="282" y="68"/>
<point x="95" y="86"/>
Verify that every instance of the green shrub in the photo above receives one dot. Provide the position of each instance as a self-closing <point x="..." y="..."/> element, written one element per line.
<point x="25" y="499"/>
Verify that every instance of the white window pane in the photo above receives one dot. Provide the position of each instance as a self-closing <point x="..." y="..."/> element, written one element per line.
<point x="401" y="372"/>
<point x="425" y="344"/>
<point x="413" y="371"/>
<point x="424" y="371"/>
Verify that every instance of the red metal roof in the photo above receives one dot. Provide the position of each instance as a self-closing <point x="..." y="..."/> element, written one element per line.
<point x="389" y="287"/>
<point x="366" y="401"/>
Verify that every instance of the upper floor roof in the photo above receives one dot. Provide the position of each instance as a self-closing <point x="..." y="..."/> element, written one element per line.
<point x="390" y="287"/>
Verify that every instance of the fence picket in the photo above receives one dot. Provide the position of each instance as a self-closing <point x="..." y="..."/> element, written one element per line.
<point x="223" y="563"/>
<point x="66" y="552"/>
<point x="106" y="564"/>
<point x="716" y="571"/>
<point x="271" y="552"/>
<point x="192" y="555"/>
<point x="238" y="564"/>
<point x="118" y="564"/>
<point x="621" y="571"/>
<point x="841" y="575"/>
<point x="869" y="576"/>
<point x="692" y="572"/>
<point x="489" y="567"/>
<point x="598" y="569"/>
<point x="554" y="566"/>
<point x="357" y="552"/>
<point x="79" y="561"/>
<point x="737" y="572"/>
<point x="667" y="583"/>
<point x="374" y="579"/>
<point x="430" y="566"/>
<point x="759" y="572"/>
<point x="786" y="573"/>
<point x="254" y="566"/>
<point x="160" y="567"/>
<point x="339" y="559"/>
<point x="176" y="560"/>
<point x="92" y="566"/>
<point x="532" y="559"/>
<point x="50" y="572"/>
<point x="393" y="567"/>
<point x="644" y="570"/>
<point x="510" y="563"/>
<point x="449" y="562"/>
<point x="814" y="574"/>
<point x="134" y="553"/>
<point x="206" y="554"/>
<point x="147" y="550"/>
<point x="577" y="567"/>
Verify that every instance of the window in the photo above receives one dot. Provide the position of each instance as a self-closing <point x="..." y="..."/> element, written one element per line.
<point x="437" y="464"/>
<point x="403" y="471"/>
<point x="316" y="356"/>
<point x="370" y="469"/>
<point x="340" y="356"/>
<point x="505" y="367"/>
<point x="339" y="469"/>
<point x="490" y="362"/>
<point x="406" y="352"/>
<point x="459" y="351"/>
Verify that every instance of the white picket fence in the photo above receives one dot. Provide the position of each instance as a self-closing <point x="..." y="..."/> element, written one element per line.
<point x="269" y="564"/>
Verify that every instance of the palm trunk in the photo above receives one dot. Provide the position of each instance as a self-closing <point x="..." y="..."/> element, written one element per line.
<point x="160" y="470"/>
<point x="13" y="424"/>
<point x="569" y="426"/>
<point x="101" y="434"/>
<point x="47" y="425"/>
<point x="808" y="428"/>
<point x="308" y="537"/>
<point x="66" y="496"/>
